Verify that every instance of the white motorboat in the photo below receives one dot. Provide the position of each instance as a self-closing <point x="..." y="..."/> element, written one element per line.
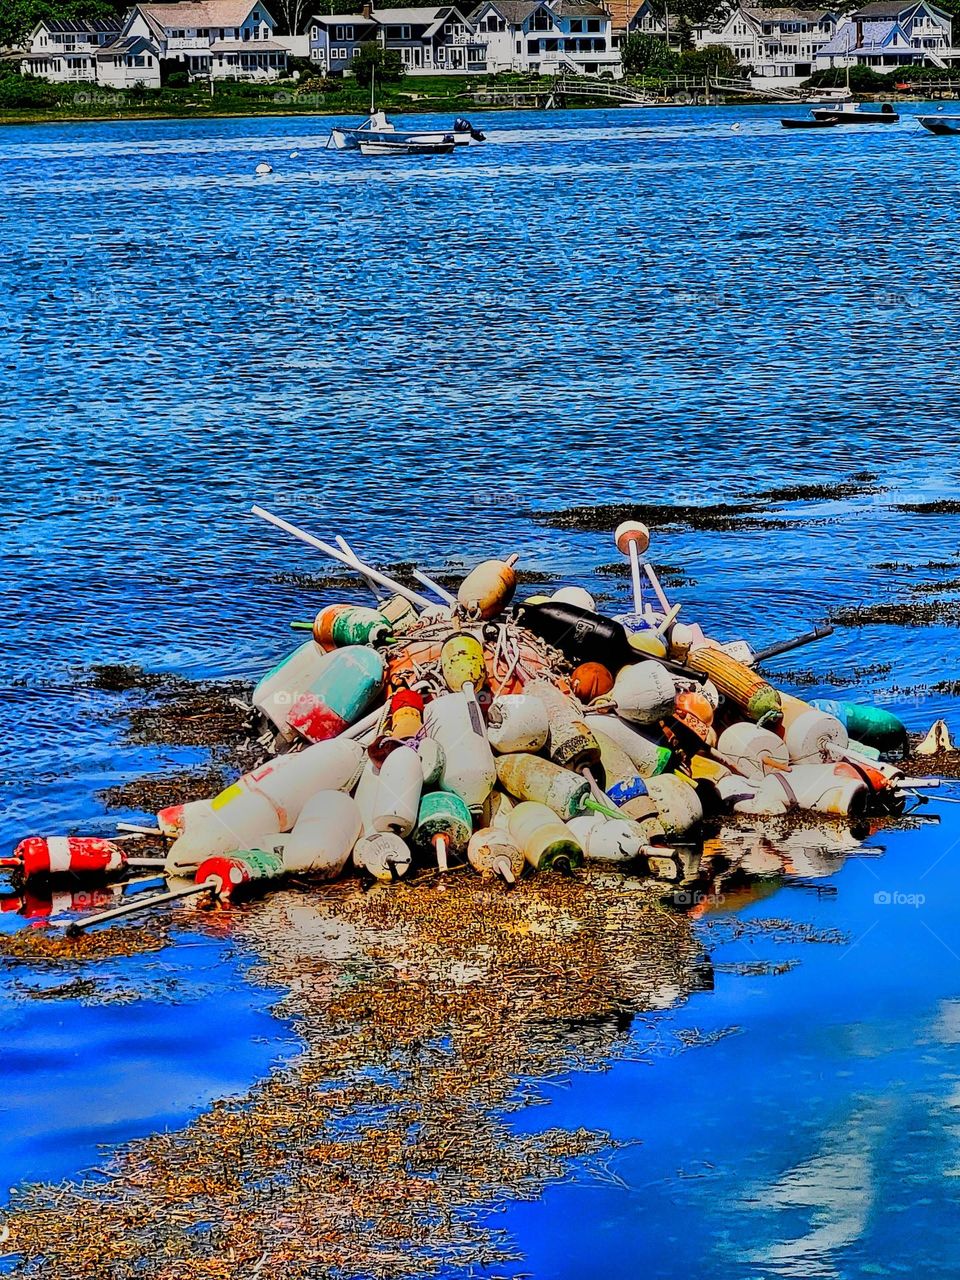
<point x="377" y="128"/>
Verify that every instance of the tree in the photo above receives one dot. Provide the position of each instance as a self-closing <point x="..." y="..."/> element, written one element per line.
<point x="711" y="60"/>
<point x="643" y="54"/>
<point x="372" y="59"/>
<point x="291" y="15"/>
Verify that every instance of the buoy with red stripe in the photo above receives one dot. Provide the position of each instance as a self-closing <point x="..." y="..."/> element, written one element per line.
<point x="233" y="874"/>
<point x="66" y="855"/>
<point x="346" y="686"/>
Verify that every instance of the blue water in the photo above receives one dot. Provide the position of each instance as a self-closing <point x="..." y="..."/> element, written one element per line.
<point x="593" y="307"/>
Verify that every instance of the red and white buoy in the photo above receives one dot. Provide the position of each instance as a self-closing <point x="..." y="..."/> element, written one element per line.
<point x="66" y="855"/>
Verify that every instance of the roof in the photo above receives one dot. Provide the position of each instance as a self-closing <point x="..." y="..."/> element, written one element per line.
<point x="890" y="9"/>
<point x="623" y="11"/>
<point x="82" y="26"/>
<point x="577" y="9"/>
<point x="786" y="15"/>
<point x="338" y="19"/>
<point x="205" y="13"/>
<point x="124" y="46"/>
<point x="864" y="36"/>
<point x="515" y="12"/>
<point x="247" y="46"/>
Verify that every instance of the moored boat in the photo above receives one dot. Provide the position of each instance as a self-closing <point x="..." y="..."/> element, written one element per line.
<point x="806" y="122"/>
<point x="377" y="128"/>
<point x="940" y="124"/>
<point x="854" y="113"/>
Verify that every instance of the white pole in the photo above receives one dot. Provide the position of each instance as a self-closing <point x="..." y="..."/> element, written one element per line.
<point x="635" y="574"/>
<point x="442" y="592"/>
<point x="348" y="550"/>
<point x="334" y="554"/>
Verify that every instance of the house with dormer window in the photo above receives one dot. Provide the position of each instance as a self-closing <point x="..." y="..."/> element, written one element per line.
<point x="548" y="37"/>
<point x="886" y="36"/>
<point x="219" y="39"/>
<point x="778" y="45"/>
<point x="334" y="40"/>
<point x="63" y="51"/>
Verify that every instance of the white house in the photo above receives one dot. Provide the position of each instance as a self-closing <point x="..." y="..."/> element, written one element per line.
<point x="129" y="61"/>
<point x="885" y="36"/>
<point x="433" y="40"/>
<point x="67" y="50"/>
<point x="335" y="40"/>
<point x="547" y="37"/>
<point x="778" y="45"/>
<point x="222" y="39"/>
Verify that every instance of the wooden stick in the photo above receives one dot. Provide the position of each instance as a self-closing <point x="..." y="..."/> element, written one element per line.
<point x="338" y="555"/>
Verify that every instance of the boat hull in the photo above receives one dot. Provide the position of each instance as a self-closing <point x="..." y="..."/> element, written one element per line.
<point x="395" y="148"/>
<point x="792" y="123"/>
<point x="941" y="124"/>
<point x="856" y="117"/>
<point x="350" y="139"/>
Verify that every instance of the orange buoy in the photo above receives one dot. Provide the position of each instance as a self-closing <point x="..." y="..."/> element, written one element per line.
<point x="591" y="680"/>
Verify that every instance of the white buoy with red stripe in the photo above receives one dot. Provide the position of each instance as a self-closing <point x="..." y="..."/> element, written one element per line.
<point x="68" y="855"/>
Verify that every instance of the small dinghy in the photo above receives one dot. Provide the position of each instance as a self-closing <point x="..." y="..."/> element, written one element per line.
<point x="940" y="124"/>
<point x="401" y="147"/>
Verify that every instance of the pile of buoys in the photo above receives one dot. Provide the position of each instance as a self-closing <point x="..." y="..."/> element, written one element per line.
<point x="506" y="736"/>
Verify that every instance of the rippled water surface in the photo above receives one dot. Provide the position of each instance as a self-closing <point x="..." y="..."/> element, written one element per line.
<point x="418" y="354"/>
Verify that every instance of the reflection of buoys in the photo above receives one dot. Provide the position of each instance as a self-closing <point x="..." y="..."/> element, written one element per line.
<point x="443" y="824"/>
<point x="546" y="842"/>
<point x="677" y="804"/>
<point x="455" y="721"/>
<point x="345" y="688"/>
<point x="323" y="839"/>
<point x="644" y="692"/>
<point x="517" y="722"/>
<point x="382" y="855"/>
<point x="492" y="852"/>
<point x="487" y="589"/>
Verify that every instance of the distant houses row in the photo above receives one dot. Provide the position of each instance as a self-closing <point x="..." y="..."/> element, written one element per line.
<point x="237" y="39"/>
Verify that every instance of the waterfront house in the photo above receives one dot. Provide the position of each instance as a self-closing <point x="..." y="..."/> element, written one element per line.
<point x="779" y="45"/>
<point x="547" y="37"/>
<point x="62" y="51"/>
<point x="219" y="39"/>
<point x="433" y="40"/>
<point x="335" y="40"/>
<point x="885" y="36"/>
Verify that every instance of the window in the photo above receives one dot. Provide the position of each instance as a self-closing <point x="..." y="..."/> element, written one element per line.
<point x="398" y="33"/>
<point x="314" y="33"/>
<point x="340" y="53"/>
<point x="593" y="24"/>
<point x="139" y="60"/>
<point x="533" y="46"/>
<point x="519" y="46"/>
<point x="576" y="24"/>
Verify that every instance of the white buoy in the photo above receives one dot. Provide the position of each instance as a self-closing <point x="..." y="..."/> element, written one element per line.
<point x="263" y="801"/>
<point x="277" y="691"/>
<point x="644" y="692"/>
<point x="608" y="839"/>
<point x="811" y="734"/>
<point x="263" y="169"/>
<point x="383" y="855"/>
<point x="645" y="755"/>
<point x="397" y="798"/>
<point x="517" y="722"/>
<point x="750" y="749"/>
<point x="294" y="155"/>
<point x="432" y="761"/>
<point x="632" y="539"/>
<point x="455" y="722"/>
<point x="323" y="839"/>
<point x="677" y="803"/>
<point x="576" y="596"/>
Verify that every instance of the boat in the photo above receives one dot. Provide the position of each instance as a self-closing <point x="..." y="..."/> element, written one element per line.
<point x="807" y="122"/>
<point x="940" y="124"/>
<point x="409" y="147"/>
<point x="827" y="98"/>
<point x="854" y="113"/>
